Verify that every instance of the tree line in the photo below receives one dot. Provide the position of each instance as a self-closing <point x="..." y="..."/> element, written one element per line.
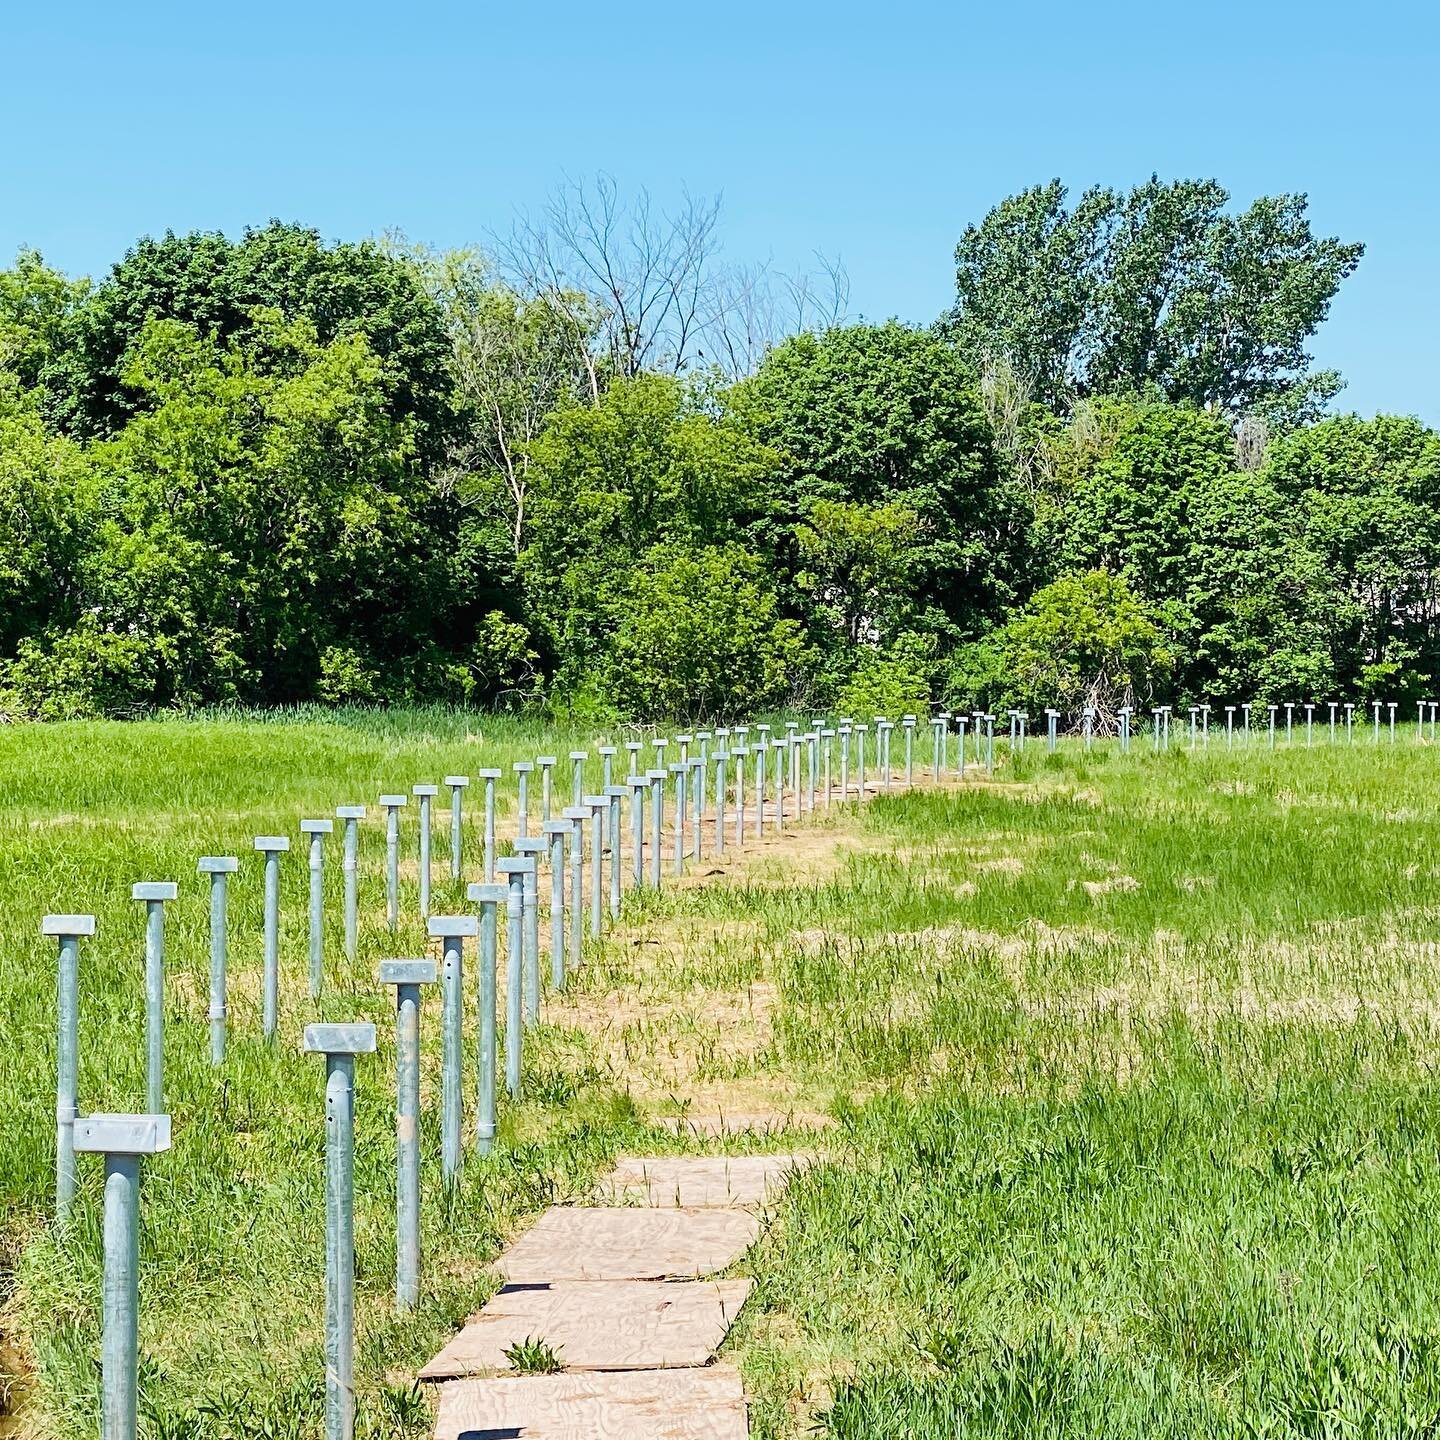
<point x="595" y="468"/>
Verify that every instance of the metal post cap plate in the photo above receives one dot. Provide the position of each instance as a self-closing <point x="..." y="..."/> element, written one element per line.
<point x="425" y="790"/>
<point x="68" y="925"/>
<point x="123" y="1134"/>
<point x="217" y="864"/>
<point x="349" y="812"/>
<point x="317" y="827"/>
<point x="154" y="890"/>
<point x="449" y="926"/>
<point x="272" y="842"/>
<point x="354" y="1039"/>
<point x="407" y="972"/>
<point x="481" y="893"/>
<point x="457" y="782"/>
<point x="394" y="802"/>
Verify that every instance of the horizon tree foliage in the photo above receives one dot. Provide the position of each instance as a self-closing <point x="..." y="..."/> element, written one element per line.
<point x="215" y="284"/>
<point x="605" y="470"/>
<point x="1159" y="289"/>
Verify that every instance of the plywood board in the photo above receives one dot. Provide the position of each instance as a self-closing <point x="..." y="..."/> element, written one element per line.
<point x="596" y="1243"/>
<point x="700" y="1181"/>
<point x="637" y="1405"/>
<point x="598" y="1325"/>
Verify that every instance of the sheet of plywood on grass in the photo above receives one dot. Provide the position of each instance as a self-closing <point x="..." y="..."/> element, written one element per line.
<point x="638" y="1405"/>
<point x="598" y="1325"/>
<point x="700" y="1181"/>
<point x="595" y="1243"/>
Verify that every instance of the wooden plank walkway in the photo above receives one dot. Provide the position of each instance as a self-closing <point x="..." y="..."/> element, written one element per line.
<point x="619" y="1295"/>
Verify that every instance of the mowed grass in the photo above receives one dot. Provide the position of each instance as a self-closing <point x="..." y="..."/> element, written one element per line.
<point x="1132" y="1062"/>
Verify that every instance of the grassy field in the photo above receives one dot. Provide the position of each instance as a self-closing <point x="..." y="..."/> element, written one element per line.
<point x="1132" y="1063"/>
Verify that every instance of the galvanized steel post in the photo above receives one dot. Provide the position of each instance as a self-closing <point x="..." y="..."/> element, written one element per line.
<point x="532" y="849"/>
<point x="679" y="770"/>
<point x="407" y="976"/>
<point x="555" y="832"/>
<point x="317" y="830"/>
<point x="351" y="815"/>
<point x="512" y="873"/>
<point x="577" y="761"/>
<point x="451" y="931"/>
<point x="489" y="897"/>
<point x="340" y="1044"/>
<point x="523" y="770"/>
<point x="425" y="794"/>
<point x="597" y="805"/>
<point x="69" y="930"/>
<point x="457" y="784"/>
<point x="123" y="1140"/>
<point x="636" y="784"/>
<point x="657" y="804"/>
<point x="615" y="794"/>
<point x="271" y="847"/>
<point x="546" y="764"/>
<point x="154" y="894"/>
<point x="576" y="815"/>
<point x="490" y="777"/>
<point x="392" y="805"/>
<point x="219" y="868"/>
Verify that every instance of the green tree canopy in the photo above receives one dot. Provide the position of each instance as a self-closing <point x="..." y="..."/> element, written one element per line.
<point x="216" y="285"/>
<point x="884" y="421"/>
<point x="1159" y="288"/>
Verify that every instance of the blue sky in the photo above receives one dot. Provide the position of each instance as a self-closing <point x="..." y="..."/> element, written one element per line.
<point x="874" y="133"/>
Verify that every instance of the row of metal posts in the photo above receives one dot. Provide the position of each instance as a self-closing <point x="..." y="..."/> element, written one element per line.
<point x="124" y="1140"/>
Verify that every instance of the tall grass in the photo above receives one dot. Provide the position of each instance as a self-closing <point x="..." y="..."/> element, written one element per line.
<point x="1133" y="1060"/>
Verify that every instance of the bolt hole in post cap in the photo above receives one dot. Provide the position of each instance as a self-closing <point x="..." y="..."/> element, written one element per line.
<point x="407" y="972"/>
<point x="457" y="782"/>
<point x="217" y="864"/>
<point x="394" y="802"/>
<point x="425" y="789"/>
<point x="349" y="812"/>
<point x="353" y="1039"/>
<point x="445" y="927"/>
<point x="123" y="1134"/>
<point x="154" y="890"/>
<point x="272" y="842"/>
<point x="68" y="925"/>
<point x="483" y="893"/>
<point x="317" y="827"/>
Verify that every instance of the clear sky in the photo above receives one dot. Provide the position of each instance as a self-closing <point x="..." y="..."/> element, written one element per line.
<point x="875" y="133"/>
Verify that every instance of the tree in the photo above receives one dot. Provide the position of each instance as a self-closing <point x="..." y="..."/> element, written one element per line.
<point x="650" y="287"/>
<point x="697" y="635"/>
<point x="881" y="432"/>
<point x="39" y="474"/>
<point x="1364" y="493"/>
<point x="1159" y="288"/>
<point x="1083" y="640"/>
<point x="258" y="531"/>
<point x="217" y="285"/>
<point x="36" y="304"/>
<point x="653" y="463"/>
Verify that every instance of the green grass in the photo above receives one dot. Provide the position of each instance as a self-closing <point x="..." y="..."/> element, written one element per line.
<point x="1134" y="1063"/>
